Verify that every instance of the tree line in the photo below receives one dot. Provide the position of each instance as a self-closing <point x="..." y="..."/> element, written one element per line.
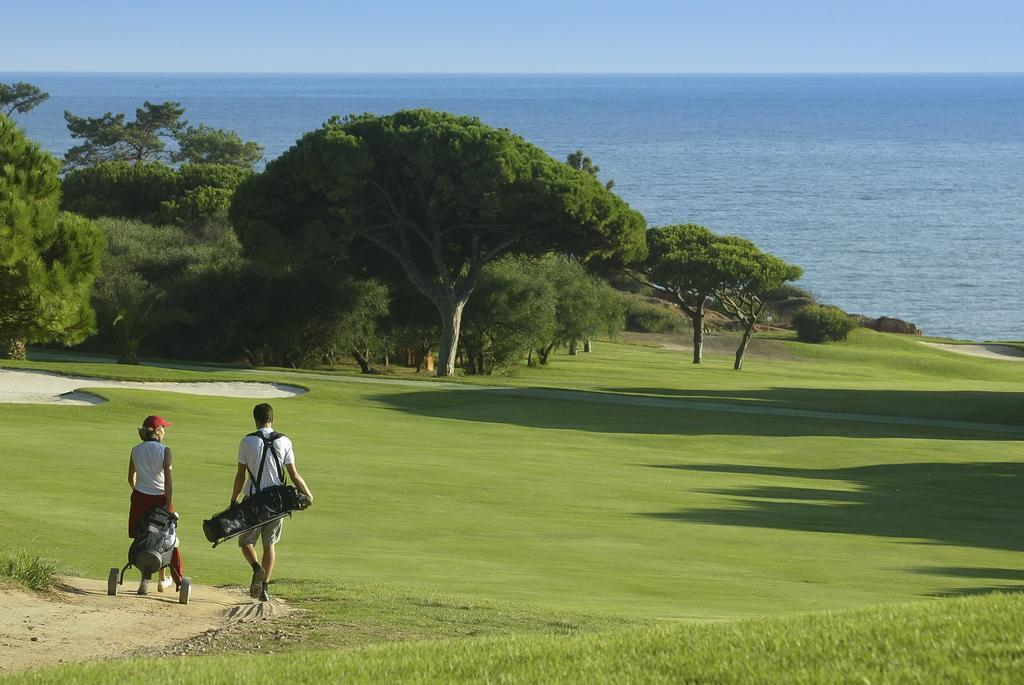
<point x="372" y="236"/>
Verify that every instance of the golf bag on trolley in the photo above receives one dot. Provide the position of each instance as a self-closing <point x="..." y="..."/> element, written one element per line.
<point x="151" y="550"/>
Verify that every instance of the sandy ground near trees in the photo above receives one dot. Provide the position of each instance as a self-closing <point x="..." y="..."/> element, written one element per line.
<point x="80" y="622"/>
<point x="989" y="351"/>
<point x="41" y="387"/>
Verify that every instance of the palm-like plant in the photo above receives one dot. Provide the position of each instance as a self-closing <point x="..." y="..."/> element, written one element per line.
<point x="131" y="310"/>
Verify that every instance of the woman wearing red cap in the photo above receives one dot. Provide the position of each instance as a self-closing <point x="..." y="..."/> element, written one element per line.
<point x="149" y="474"/>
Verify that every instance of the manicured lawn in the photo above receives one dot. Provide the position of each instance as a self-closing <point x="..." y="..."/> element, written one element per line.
<point x="561" y="504"/>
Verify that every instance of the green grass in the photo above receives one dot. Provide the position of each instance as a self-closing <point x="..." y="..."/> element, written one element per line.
<point x="967" y="640"/>
<point x="21" y="568"/>
<point x="549" y="505"/>
<point x="550" y="502"/>
<point x="337" y="615"/>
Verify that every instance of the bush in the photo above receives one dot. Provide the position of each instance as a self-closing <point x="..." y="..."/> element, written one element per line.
<point x="512" y="311"/>
<point x="647" y="317"/>
<point x="154" y="192"/>
<point x="819" y="323"/>
<point x="118" y="189"/>
<point x="787" y="300"/>
<point x="168" y="292"/>
<point x="585" y="306"/>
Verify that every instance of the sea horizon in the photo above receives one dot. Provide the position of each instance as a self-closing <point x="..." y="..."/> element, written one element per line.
<point x="528" y="73"/>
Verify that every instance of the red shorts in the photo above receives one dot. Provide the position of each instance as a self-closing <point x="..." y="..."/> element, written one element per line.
<point x="141" y="503"/>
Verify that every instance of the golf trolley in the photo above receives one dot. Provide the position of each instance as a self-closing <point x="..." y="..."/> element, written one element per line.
<point x="151" y="551"/>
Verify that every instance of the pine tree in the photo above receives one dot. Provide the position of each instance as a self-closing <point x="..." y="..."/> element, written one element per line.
<point x="48" y="259"/>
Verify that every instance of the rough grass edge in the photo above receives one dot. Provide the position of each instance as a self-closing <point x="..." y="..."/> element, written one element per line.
<point x="22" y="568"/>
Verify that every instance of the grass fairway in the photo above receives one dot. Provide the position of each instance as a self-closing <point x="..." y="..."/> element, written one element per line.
<point x="652" y="491"/>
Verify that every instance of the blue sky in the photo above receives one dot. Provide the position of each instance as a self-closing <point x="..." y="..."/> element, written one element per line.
<point x="520" y="36"/>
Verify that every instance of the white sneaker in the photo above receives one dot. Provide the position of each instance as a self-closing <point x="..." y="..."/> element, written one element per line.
<point x="163" y="585"/>
<point x="144" y="586"/>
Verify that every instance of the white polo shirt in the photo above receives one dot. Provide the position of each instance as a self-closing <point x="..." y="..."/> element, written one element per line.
<point x="250" y="451"/>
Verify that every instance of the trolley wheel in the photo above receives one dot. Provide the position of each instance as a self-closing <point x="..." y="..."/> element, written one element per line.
<point x="185" y="593"/>
<point x="112" y="579"/>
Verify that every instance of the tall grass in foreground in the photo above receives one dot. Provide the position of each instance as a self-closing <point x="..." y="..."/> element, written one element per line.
<point x="28" y="570"/>
<point x="963" y="640"/>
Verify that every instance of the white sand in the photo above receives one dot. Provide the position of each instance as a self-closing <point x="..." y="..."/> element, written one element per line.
<point x="39" y="387"/>
<point x="990" y="351"/>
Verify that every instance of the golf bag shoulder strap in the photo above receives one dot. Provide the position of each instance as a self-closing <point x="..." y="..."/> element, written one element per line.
<point x="268" y="445"/>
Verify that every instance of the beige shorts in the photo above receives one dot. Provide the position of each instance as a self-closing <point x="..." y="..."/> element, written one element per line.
<point x="271" y="533"/>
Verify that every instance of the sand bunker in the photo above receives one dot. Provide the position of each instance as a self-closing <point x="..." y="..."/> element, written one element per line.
<point x="39" y="387"/>
<point x="989" y="351"/>
<point x="80" y="622"/>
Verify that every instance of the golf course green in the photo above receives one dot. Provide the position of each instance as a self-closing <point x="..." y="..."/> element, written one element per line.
<point x="620" y="507"/>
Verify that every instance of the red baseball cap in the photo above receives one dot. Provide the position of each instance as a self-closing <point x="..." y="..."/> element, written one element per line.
<point x="155" y="422"/>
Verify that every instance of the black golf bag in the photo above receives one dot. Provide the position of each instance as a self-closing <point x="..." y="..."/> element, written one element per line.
<point x="154" y="543"/>
<point x="151" y="550"/>
<point x="259" y="508"/>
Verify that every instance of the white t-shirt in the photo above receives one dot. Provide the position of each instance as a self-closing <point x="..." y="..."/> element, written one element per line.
<point x="250" y="451"/>
<point x="148" y="457"/>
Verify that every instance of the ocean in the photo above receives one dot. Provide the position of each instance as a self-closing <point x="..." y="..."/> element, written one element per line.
<point x="899" y="195"/>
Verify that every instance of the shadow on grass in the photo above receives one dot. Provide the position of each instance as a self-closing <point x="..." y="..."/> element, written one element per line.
<point x="969" y="572"/>
<point x="971" y="591"/>
<point x="694" y="414"/>
<point x="964" y="504"/>
<point x="1003" y="408"/>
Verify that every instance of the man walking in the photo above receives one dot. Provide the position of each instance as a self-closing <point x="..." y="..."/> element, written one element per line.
<point x="264" y="455"/>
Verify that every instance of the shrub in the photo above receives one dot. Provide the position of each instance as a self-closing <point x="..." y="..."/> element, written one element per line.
<point x="820" y="323"/>
<point x="168" y="292"/>
<point x="118" y="189"/>
<point x="154" y="192"/>
<point x="787" y="300"/>
<point x="647" y="317"/>
<point x="585" y="306"/>
<point x="513" y="310"/>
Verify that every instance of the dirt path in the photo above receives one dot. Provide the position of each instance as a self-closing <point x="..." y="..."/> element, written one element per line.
<point x="80" y="622"/>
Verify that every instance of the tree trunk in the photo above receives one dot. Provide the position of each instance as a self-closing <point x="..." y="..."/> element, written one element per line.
<point x="587" y="347"/>
<point x="364" y="363"/>
<point x="422" y="361"/>
<point x="695" y="312"/>
<point x="451" y="322"/>
<point x="128" y="354"/>
<point x="748" y="332"/>
<point x="698" y="335"/>
<point x="543" y="353"/>
<point x="251" y="356"/>
<point x="14" y="348"/>
<point x="574" y="348"/>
